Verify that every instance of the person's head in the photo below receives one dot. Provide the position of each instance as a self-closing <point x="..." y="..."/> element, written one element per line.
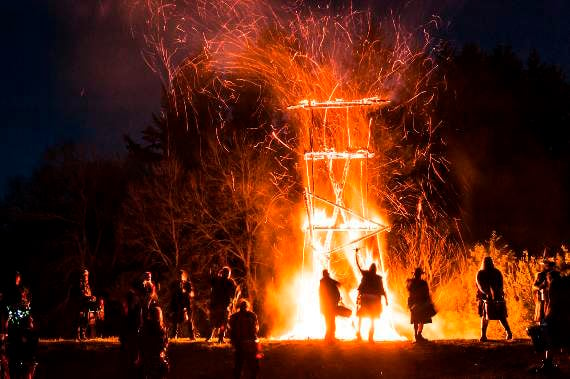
<point x="147" y="276"/>
<point x="488" y="263"/>
<point x="85" y="274"/>
<point x="548" y="265"/>
<point x="243" y="305"/>
<point x="552" y="276"/>
<point x="326" y="273"/>
<point x="372" y="268"/>
<point x="418" y="272"/>
<point x="225" y="272"/>
<point x="183" y="275"/>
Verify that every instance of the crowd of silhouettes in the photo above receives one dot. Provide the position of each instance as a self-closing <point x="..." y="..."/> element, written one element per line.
<point x="144" y="335"/>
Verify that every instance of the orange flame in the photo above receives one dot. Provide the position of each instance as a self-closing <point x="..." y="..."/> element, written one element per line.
<point x="338" y="220"/>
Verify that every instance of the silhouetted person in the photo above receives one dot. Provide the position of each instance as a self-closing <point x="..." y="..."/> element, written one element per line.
<point x="221" y="297"/>
<point x="540" y="290"/>
<point x="419" y="303"/>
<point x="131" y="323"/>
<point x="181" y="305"/>
<point x="370" y="293"/>
<point x="149" y="295"/>
<point x="154" y="345"/>
<point x="243" y="336"/>
<point x="491" y="297"/>
<point x="100" y="326"/>
<point x="554" y="331"/>
<point x="329" y="297"/>
<point x="87" y="305"/>
<point x="22" y="340"/>
<point x="10" y="296"/>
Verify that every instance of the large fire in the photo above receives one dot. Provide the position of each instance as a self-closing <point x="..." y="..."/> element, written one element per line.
<point x="339" y="222"/>
<point x="351" y="157"/>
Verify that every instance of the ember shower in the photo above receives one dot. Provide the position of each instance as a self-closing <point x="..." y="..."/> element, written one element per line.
<point x="212" y="55"/>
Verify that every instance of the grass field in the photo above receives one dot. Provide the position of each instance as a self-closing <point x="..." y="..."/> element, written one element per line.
<point x="308" y="359"/>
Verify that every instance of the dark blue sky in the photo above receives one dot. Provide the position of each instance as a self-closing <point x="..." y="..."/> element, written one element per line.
<point x="73" y="72"/>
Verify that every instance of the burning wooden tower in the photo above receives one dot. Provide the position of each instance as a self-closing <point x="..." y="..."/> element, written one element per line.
<point x="340" y="223"/>
<point x="338" y="219"/>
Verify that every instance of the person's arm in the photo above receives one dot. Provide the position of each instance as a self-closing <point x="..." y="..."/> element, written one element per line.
<point x="191" y="292"/>
<point x="479" y="286"/>
<point x="358" y="263"/>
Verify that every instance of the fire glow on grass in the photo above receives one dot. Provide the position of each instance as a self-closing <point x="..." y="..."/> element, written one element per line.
<point x="339" y="223"/>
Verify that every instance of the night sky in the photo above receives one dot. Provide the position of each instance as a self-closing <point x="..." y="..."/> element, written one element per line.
<point x="73" y="72"/>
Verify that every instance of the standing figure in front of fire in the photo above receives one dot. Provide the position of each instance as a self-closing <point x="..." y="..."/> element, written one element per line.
<point x="181" y="305"/>
<point x="420" y="304"/>
<point x="329" y="297"/>
<point x="222" y="295"/>
<point x="492" y="305"/>
<point x="540" y="290"/>
<point x="87" y="304"/>
<point x="243" y="327"/>
<point x="370" y="292"/>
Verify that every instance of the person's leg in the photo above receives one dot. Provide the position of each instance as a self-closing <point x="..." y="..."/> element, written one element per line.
<point x="331" y="326"/>
<point x="359" y="330"/>
<point x="214" y="334"/>
<point x="484" y="324"/>
<point x="192" y="328"/>
<point x="420" y="330"/>
<point x="549" y="359"/>
<point x="238" y="364"/>
<point x="174" y="330"/>
<point x="371" y="331"/>
<point x="505" y="324"/>
<point x="83" y="324"/>
<point x="253" y="364"/>
<point x="327" y="326"/>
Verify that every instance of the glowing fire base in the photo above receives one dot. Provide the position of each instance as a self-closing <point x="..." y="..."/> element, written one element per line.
<point x="311" y="324"/>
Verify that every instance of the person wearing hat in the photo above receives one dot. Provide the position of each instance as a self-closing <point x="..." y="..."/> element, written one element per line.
<point x="329" y="297"/>
<point x="419" y="303"/>
<point x="540" y="289"/>
<point x="491" y="296"/>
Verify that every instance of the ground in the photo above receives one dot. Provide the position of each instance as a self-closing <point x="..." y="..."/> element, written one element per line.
<point x="309" y="359"/>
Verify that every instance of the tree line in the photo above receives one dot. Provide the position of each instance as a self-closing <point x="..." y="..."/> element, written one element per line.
<point x="187" y="196"/>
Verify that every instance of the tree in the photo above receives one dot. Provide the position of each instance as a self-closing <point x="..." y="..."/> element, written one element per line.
<point x="158" y="217"/>
<point x="243" y="208"/>
<point x="61" y="219"/>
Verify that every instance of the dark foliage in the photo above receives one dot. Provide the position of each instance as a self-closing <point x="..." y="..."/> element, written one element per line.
<point x="506" y="134"/>
<point x="508" y="141"/>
